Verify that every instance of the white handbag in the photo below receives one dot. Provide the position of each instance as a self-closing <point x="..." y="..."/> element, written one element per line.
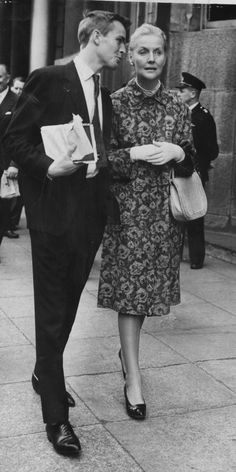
<point x="188" y="200"/>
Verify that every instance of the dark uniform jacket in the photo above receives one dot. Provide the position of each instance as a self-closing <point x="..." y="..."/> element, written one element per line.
<point x="205" y="139"/>
<point x="51" y="95"/>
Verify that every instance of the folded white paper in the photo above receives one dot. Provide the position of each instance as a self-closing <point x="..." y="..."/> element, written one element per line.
<point x="58" y="138"/>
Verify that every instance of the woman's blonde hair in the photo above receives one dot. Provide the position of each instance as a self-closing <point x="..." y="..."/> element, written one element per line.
<point x="146" y="29"/>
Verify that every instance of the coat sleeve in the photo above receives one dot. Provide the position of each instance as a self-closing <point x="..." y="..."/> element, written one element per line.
<point x="120" y="164"/>
<point x="22" y="142"/>
<point x="205" y="139"/>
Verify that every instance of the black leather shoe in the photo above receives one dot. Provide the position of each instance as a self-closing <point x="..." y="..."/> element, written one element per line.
<point x="122" y="365"/>
<point x="196" y="266"/>
<point x="11" y="234"/>
<point x="137" y="412"/>
<point x="63" y="438"/>
<point x="35" y="384"/>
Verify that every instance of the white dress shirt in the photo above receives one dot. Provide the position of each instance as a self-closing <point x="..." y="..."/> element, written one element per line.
<point x="85" y="74"/>
<point x="3" y="94"/>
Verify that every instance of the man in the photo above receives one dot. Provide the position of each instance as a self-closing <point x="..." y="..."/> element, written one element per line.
<point x="65" y="202"/>
<point x="18" y="85"/>
<point x="17" y="202"/>
<point x="205" y="142"/>
<point x="7" y="102"/>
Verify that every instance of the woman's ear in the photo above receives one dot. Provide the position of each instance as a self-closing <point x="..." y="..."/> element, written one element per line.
<point x="131" y="60"/>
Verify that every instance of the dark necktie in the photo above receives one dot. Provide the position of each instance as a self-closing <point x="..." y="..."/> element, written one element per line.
<point x="102" y="160"/>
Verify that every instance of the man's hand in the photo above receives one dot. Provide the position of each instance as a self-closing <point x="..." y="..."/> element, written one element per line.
<point x="166" y="152"/>
<point x="63" y="166"/>
<point x="12" y="172"/>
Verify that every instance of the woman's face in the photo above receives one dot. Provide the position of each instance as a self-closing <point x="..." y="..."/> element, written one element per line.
<point x="148" y="58"/>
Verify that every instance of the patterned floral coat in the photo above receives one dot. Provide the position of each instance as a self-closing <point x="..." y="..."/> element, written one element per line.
<point x="141" y="256"/>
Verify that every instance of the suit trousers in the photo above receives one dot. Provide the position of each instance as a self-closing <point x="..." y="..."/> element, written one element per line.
<point x="5" y="210"/>
<point x="61" y="266"/>
<point x="196" y="241"/>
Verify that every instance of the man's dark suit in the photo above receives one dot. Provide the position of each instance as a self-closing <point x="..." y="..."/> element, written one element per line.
<point x="205" y="142"/>
<point x="66" y="217"/>
<point x="6" y="108"/>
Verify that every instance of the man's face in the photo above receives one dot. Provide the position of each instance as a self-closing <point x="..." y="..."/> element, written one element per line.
<point x="112" y="46"/>
<point x="17" y="86"/>
<point x="4" y="78"/>
<point x="185" y="94"/>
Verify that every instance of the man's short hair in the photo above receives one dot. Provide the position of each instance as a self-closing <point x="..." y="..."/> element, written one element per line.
<point x="101" y="20"/>
<point x="19" y="78"/>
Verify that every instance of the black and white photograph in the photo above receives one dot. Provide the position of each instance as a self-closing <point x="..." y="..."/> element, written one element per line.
<point x="117" y="236"/>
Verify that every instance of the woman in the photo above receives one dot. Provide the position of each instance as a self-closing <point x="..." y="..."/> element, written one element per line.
<point x="141" y="256"/>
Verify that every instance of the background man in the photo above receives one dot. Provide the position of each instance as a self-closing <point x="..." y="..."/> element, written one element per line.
<point x="205" y="142"/>
<point x="17" y="202"/>
<point x="17" y="85"/>
<point x="65" y="203"/>
<point x="8" y="100"/>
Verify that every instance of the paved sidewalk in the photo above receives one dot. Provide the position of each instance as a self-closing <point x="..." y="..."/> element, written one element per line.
<point x="188" y="362"/>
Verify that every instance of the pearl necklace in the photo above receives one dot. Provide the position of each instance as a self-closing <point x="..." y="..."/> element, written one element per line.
<point x="149" y="93"/>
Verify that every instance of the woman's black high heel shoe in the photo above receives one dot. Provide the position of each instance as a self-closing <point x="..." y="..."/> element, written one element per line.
<point x="137" y="412"/>
<point x="122" y="365"/>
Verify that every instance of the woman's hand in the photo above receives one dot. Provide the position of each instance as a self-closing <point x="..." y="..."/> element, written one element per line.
<point x="166" y="152"/>
<point x="143" y="153"/>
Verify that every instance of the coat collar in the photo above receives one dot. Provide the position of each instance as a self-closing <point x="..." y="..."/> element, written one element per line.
<point x="137" y="95"/>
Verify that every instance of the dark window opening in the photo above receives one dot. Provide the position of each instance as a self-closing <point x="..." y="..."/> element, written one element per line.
<point x="221" y="12"/>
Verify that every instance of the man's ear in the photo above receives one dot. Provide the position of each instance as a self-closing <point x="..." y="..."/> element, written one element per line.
<point x="95" y="37"/>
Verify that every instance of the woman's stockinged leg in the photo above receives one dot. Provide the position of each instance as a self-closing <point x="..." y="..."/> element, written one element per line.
<point x="129" y="329"/>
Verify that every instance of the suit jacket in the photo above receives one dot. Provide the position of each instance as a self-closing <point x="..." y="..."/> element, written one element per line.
<point x="51" y="95"/>
<point x="6" y="109"/>
<point x="204" y="138"/>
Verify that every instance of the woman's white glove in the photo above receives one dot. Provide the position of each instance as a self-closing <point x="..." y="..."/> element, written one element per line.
<point x="143" y="153"/>
<point x="166" y="152"/>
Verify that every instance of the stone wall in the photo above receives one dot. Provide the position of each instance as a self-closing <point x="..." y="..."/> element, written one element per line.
<point x="210" y="55"/>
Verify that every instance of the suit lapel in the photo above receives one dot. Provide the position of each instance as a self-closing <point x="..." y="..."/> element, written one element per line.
<point x="73" y="86"/>
<point x="8" y="102"/>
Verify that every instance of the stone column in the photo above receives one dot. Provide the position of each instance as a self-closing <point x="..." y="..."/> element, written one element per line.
<point x="39" y="34"/>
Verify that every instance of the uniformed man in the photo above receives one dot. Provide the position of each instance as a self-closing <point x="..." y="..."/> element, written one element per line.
<point x="205" y="142"/>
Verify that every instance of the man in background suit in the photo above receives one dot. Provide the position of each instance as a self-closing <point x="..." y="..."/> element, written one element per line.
<point x="205" y="142"/>
<point x="8" y="100"/>
<point x="65" y="203"/>
<point x="17" y="203"/>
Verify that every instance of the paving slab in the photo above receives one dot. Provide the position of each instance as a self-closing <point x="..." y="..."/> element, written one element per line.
<point x="100" y="453"/>
<point x="201" y="441"/>
<point x="220" y="293"/>
<point x="94" y="355"/>
<point x="173" y="389"/>
<point x="200" y="316"/>
<point x="223" y="370"/>
<point x="202" y="346"/>
<point x="21" y="410"/>
<point x="16" y="287"/>
<point x="10" y="335"/>
<point x="15" y="307"/>
<point x="2" y="315"/>
<point x="27" y="326"/>
<point x="17" y="363"/>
